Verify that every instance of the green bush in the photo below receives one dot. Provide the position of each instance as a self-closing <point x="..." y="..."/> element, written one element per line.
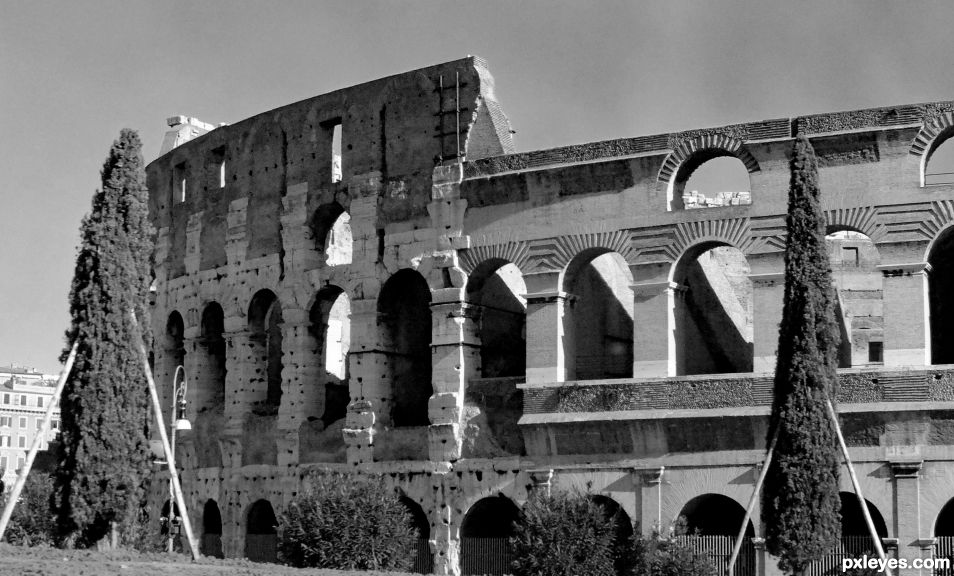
<point x="563" y="534"/>
<point x="347" y="523"/>
<point x="32" y="521"/>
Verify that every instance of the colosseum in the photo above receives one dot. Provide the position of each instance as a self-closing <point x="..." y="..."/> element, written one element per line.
<point x="375" y="281"/>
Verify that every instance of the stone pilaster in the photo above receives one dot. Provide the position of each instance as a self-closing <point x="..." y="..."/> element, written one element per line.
<point x="654" y="338"/>
<point x="297" y="358"/>
<point x="546" y="345"/>
<point x="193" y="255"/>
<point x="907" y="329"/>
<point x="300" y="252"/>
<point x="906" y="468"/>
<point x="236" y="243"/>
<point x="541" y="480"/>
<point x="368" y="382"/>
<point x="455" y="356"/>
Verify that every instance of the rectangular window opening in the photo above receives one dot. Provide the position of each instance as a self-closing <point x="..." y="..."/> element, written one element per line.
<point x="851" y="256"/>
<point x="334" y="126"/>
<point x="218" y="164"/>
<point x="875" y="352"/>
<point x="179" y="183"/>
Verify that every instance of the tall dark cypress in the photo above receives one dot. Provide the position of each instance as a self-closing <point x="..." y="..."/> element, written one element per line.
<point x="103" y="458"/>
<point x="801" y="506"/>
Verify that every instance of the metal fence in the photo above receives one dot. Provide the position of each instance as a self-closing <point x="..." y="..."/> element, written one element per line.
<point x="490" y="556"/>
<point x="944" y="549"/>
<point x="211" y="545"/>
<point x="850" y="547"/>
<point x="261" y="547"/>
<point x="423" y="559"/>
<point x="719" y="551"/>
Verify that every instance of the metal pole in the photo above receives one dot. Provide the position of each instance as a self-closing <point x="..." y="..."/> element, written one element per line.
<point x="854" y="481"/>
<point x="755" y="497"/>
<point x="193" y="543"/>
<point x="172" y="455"/>
<point x="37" y="440"/>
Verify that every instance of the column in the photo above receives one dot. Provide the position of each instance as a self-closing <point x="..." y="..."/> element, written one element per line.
<point x="906" y="468"/>
<point x="369" y="385"/>
<point x="768" y="297"/>
<point x="654" y="329"/>
<point x="300" y="391"/>
<point x="455" y="356"/>
<point x="546" y="343"/>
<point x="907" y="328"/>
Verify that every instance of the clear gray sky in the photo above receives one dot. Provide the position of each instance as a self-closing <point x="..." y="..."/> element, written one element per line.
<point x="72" y="74"/>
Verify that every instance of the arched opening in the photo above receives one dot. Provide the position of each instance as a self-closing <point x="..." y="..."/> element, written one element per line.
<point x="265" y="327"/>
<point x="853" y="521"/>
<point x="174" y="352"/>
<point x="623" y="529"/>
<point x="423" y="559"/>
<point x="261" y="538"/>
<point x="939" y="161"/>
<point x="858" y="284"/>
<point x="175" y="330"/>
<point x="497" y="288"/>
<point x="598" y="328"/>
<point x="330" y="318"/>
<point x="941" y="283"/>
<point x="404" y="309"/>
<point x="712" y="523"/>
<point x="711" y="178"/>
<point x="211" y="544"/>
<point x="211" y="349"/>
<point x="944" y="531"/>
<point x="326" y="401"/>
<point x="713" y="311"/>
<point x="331" y="229"/>
<point x="485" y="533"/>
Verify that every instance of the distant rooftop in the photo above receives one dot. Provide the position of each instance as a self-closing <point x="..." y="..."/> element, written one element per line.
<point x="17" y="369"/>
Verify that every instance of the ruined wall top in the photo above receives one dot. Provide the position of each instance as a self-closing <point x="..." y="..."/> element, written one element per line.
<point x="399" y="126"/>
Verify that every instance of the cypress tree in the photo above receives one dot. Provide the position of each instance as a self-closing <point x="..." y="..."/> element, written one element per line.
<point x="801" y="507"/>
<point x="103" y="459"/>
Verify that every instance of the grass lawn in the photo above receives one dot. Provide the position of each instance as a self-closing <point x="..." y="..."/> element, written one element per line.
<point x="22" y="561"/>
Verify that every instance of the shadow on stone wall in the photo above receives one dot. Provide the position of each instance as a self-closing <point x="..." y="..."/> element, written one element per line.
<point x="259" y="439"/>
<point x="316" y="443"/>
<point x="206" y="433"/>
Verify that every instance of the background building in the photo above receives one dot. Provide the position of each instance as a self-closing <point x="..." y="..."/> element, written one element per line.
<point x="24" y="397"/>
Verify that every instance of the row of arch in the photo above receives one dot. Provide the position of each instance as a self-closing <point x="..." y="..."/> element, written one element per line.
<point x="712" y="322"/>
<point x="493" y="518"/>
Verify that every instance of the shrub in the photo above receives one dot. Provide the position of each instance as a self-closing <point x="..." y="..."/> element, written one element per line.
<point x="32" y="521"/>
<point x="347" y="523"/>
<point x="563" y="534"/>
<point x="655" y="556"/>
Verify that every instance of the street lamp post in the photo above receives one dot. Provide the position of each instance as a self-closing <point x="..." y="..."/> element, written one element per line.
<point x="177" y="421"/>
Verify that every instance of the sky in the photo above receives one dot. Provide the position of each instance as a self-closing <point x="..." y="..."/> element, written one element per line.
<point x="72" y="74"/>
